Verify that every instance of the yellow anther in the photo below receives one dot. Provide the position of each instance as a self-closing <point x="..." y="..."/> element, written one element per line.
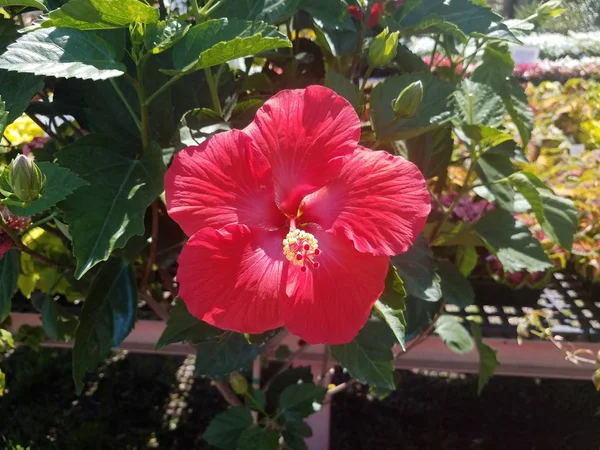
<point x="300" y="247"/>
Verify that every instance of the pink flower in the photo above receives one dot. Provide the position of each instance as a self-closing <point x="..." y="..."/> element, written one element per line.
<point x="291" y="221"/>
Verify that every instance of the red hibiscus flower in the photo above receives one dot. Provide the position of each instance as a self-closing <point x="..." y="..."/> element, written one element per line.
<point x="376" y="12"/>
<point x="291" y="221"/>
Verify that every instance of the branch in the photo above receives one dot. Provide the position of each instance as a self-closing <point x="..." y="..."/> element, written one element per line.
<point x="159" y="308"/>
<point x="23" y="248"/>
<point x="425" y="334"/>
<point x="153" y="247"/>
<point x="339" y="388"/>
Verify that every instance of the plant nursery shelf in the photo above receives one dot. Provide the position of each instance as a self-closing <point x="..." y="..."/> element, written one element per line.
<point x="575" y="316"/>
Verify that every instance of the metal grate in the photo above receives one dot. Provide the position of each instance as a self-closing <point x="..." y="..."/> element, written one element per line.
<point x="573" y="313"/>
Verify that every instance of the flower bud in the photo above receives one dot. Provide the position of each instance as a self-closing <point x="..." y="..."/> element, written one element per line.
<point x="549" y="10"/>
<point x="383" y="48"/>
<point x="25" y="178"/>
<point x="408" y="101"/>
<point x="238" y="383"/>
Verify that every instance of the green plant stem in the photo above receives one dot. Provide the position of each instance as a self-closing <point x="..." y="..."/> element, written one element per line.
<point x="144" y="116"/>
<point x="214" y="93"/>
<point x="23" y="248"/>
<point x="207" y="7"/>
<point x="254" y="402"/>
<point x="435" y="46"/>
<point x="42" y="221"/>
<point x="363" y="85"/>
<point x="8" y="201"/>
<point x="161" y="89"/>
<point x="463" y="190"/>
<point x="126" y="103"/>
<point x="196" y="10"/>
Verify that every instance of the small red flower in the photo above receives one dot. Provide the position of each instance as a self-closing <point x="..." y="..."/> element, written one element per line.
<point x="376" y="11"/>
<point x="291" y="221"/>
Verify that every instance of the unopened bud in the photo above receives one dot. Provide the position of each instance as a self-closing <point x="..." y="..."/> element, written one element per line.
<point x="383" y="48"/>
<point x="238" y="383"/>
<point x="25" y="178"/>
<point x="549" y="10"/>
<point x="408" y="101"/>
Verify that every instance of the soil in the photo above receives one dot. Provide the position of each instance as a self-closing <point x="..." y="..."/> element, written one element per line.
<point x="148" y="401"/>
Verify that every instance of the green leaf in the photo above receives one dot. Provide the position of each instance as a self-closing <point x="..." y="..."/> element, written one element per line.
<point x="431" y="152"/>
<point x="298" y="401"/>
<point x="487" y="137"/>
<point x="122" y="189"/>
<point x="16" y="90"/>
<point x="456" y="289"/>
<point x="495" y="68"/>
<point x="417" y="269"/>
<point x="330" y="13"/>
<point x="38" y="4"/>
<point x="58" y="323"/>
<point x="294" y="434"/>
<point x="3" y="116"/>
<point x="226" y="428"/>
<point x="512" y="243"/>
<point x="2" y="383"/>
<point x="60" y="183"/>
<point x="342" y="86"/>
<point x="454" y="335"/>
<point x="394" y="319"/>
<point x="517" y="106"/>
<point x="106" y="319"/>
<point x="161" y="36"/>
<point x="488" y="362"/>
<point x="62" y="53"/>
<point x="560" y="218"/>
<point x="433" y="110"/>
<point x="256" y="437"/>
<point x="101" y="14"/>
<point x="391" y="305"/>
<point x="369" y="356"/>
<point x="227" y="353"/>
<point x="466" y="16"/>
<point x="478" y="104"/>
<point x="290" y="377"/>
<point x="557" y="215"/>
<point x="466" y="258"/>
<point x="419" y="315"/>
<point x="197" y="125"/>
<point x="182" y="327"/>
<point x="270" y="11"/>
<point x="217" y="41"/>
<point x="494" y="170"/>
<point x="10" y="268"/>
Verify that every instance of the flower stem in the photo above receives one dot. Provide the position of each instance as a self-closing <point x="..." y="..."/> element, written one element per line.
<point x="214" y="93"/>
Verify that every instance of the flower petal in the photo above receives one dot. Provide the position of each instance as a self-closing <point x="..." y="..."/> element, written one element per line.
<point x="220" y="182"/>
<point x="300" y="132"/>
<point x="332" y="303"/>
<point x="379" y="201"/>
<point x="232" y="278"/>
